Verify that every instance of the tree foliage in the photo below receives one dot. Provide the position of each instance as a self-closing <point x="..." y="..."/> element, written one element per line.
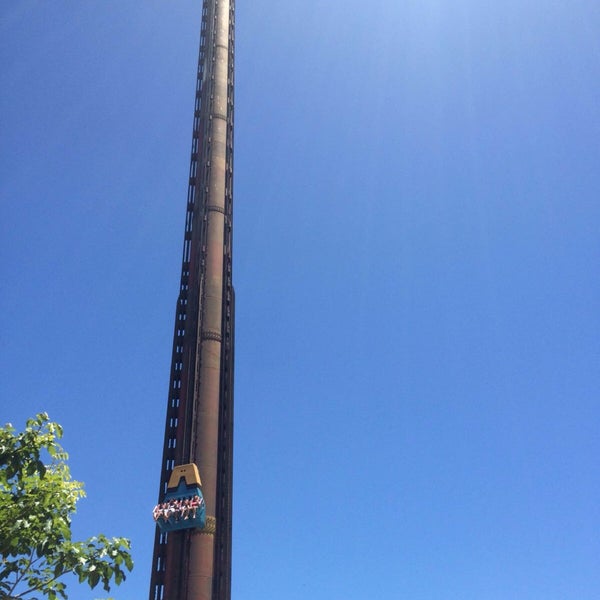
<point x="37" y="499"/>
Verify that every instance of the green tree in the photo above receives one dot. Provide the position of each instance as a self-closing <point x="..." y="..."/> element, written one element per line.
<point x="37" y="499"/>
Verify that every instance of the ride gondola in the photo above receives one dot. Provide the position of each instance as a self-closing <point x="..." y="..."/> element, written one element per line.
<point x="183" y="504"/>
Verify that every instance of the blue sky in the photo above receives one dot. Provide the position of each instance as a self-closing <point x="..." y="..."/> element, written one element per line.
<point x="416" y="268"/>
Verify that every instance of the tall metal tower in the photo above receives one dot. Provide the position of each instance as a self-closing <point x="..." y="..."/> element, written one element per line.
<point x="195" y="563"/>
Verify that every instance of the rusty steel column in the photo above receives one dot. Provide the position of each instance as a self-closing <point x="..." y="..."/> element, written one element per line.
<point x="193" y="564"/>
<point x="205" y="452"/>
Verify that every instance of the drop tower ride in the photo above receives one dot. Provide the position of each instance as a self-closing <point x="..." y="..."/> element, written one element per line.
<point x="193" y="562"/>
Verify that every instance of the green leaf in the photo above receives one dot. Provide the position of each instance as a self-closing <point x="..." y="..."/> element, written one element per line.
<point x="93" y="579"/>
<point x="128" y="561"/>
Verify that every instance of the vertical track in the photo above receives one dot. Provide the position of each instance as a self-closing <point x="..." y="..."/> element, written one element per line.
<point x="183" y="567"/>
<point x="222" y="582"/>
